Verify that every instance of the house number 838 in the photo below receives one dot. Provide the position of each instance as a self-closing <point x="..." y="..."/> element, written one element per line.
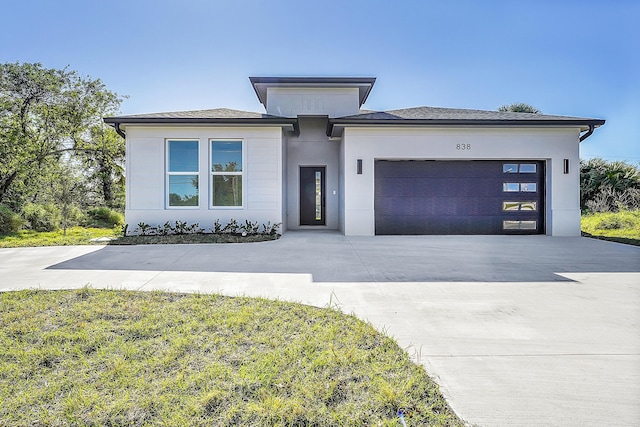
<point x="463" y="147"/>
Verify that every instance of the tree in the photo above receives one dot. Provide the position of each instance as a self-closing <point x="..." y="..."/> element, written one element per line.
<point x="44" y="113"/>
<point x="102" y="153"/>
<point x="519" y="108"/>
<point x="66" y="187"/>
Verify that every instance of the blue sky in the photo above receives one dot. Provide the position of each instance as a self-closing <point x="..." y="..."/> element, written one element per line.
<point x="576" y="58"/>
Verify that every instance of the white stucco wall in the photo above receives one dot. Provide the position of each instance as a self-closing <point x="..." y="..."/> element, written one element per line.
<point x="332" y="102"/>
<point x="146" y="175"/>
<point x="550" y="144"/>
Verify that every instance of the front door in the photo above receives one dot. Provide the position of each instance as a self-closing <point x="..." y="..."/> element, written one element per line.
<point x="312" y="199"/>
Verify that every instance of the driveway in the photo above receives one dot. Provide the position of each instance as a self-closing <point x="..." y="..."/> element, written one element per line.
<point x="517" y="330"/>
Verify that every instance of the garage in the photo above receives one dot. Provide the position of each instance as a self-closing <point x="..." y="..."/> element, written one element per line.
<point x="459" y="197"/>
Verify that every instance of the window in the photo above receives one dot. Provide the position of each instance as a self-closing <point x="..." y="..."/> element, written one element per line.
<point x="511" y="187"/>
<point x="519" y="225"/>
<point x="510" y="206"/>
<point x="519" y="206"/>
<point x="226" y="173"/>
<point x="510" y="168"/>
<point x="528" y="168"/>
<point x="514" y="187"/>
<point x="522" y="168"/>
<point x="182" y="173"/>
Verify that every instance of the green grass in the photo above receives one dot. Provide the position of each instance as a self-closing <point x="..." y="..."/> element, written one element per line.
<point x="83" y="236"/>
<point x="105" y="358"/>
<point x="75" y="236"/>
<point x="622" y="227"/>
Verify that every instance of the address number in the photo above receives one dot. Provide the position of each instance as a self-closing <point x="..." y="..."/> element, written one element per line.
<point x="463" y="147"/>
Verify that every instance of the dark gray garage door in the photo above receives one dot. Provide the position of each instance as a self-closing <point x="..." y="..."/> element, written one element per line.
<point x="459" y="197"/>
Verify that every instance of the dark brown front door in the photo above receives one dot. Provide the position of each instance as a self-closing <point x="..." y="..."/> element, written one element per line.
<point x="312" y="199"/>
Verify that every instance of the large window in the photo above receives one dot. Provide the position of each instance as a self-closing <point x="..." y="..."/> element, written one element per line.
<point x="226" y="173"/>
<point x="182" y="173"/>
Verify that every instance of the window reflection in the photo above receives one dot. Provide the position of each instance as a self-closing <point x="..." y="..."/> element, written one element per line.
<point x="511" y="187"/>
<point x="528" y="168"/>
<point x="519" y="225"/>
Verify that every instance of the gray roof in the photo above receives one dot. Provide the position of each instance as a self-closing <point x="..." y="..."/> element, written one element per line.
<point x="436" y="113"/>
<point x="215" y="113"/>
<point x="418" y="116"/>
<point x="435" y="116"/>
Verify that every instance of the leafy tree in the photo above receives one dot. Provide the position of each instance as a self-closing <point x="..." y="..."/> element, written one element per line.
<point x="609" y="186"/>
<point x="44" y="113"/>
<point x="66" y="187"/>
<point x="102" y="153"/>
<point x="519" y="108"/>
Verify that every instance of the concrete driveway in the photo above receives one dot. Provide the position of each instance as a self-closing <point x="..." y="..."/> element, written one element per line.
<point x="517" y="330"/>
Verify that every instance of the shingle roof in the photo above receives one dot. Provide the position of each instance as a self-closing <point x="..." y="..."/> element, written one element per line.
<point x="215" y="113"/>
<point x="434" y="116"/>
<point x="436" y="113"/>
<point x="418" y="116"/>
<point x="213" y="117"/>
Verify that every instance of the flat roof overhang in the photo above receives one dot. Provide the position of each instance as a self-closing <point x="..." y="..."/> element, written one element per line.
<point x="335" y="127"/>
<point x="363" y="84"/>
<point x="287" y="124"/>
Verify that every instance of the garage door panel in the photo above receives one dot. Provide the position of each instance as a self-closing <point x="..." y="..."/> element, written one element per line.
<point x="456" y="197"/>
<point x="438" y="187"/>
<point x="416" y="224"/>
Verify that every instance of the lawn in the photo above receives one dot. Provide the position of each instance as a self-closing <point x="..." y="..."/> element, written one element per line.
<point x="623" y="226"/>
<point x="75" y="236"/>
<point x="92" y="357"/>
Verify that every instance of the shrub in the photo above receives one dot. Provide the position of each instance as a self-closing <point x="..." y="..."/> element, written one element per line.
<point x="617" y="221"/>
<point x="10" y="222"/>
<point x="609" y="186"/>
<point x="41" y="217"/>
<point x="105" y="218"/>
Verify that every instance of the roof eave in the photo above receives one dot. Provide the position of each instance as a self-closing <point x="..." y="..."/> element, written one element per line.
<point x="284" y="123"/>
<point x="335" y="126"/>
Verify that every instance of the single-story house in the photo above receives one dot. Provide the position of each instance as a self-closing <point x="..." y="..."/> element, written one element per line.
<point x="315" y="160"/>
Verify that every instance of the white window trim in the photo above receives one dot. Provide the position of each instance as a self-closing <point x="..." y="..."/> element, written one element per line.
<point x="168" y="174"/>
<point x="241" y="173"/>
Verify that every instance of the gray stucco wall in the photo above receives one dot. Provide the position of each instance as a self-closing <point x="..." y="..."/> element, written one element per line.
<point x="312" y="148"/>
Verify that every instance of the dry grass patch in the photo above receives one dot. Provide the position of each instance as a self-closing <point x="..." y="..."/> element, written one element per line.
<point x="91" y="357"/>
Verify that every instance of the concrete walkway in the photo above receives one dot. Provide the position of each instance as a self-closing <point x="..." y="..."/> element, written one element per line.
<point x="517" y="330"/>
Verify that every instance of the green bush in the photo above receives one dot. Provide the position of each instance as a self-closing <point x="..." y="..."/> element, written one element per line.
<point x="104" y="217"/>
<point x="41" y="217"/>
<point x="10" y="222"/>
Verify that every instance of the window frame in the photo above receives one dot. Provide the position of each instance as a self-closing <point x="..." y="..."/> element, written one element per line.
<point x="169" y="173"/>
<point x="241" y="173"/>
